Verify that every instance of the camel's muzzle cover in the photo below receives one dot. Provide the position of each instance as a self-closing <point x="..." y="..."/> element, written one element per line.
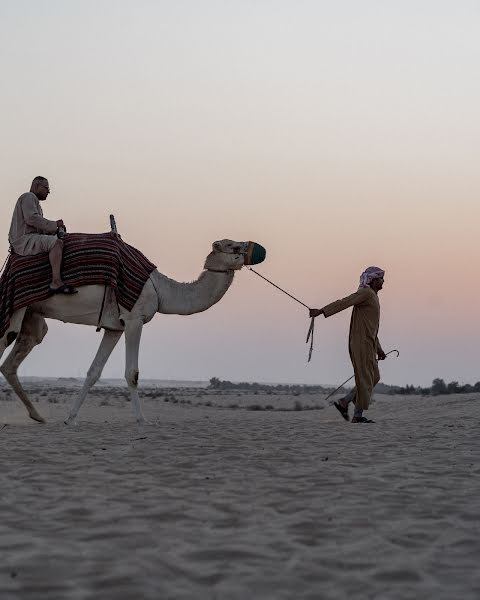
<point x="254" y="254"/>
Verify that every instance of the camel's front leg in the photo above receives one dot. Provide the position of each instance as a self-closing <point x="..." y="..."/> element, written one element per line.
<point x="108" y="343"/>
<point x="133" y="332"/>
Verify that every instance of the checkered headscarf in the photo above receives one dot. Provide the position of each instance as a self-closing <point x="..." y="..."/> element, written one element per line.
<point x="369" y="274"/>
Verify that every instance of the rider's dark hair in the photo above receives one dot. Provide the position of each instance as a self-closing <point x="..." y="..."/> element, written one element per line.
<point x="38" y="179"/>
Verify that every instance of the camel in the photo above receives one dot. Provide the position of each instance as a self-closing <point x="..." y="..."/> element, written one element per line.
<point x="160" y="294"/>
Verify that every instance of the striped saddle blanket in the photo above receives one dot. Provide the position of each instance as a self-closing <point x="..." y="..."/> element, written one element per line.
<point x="88" y="259"/>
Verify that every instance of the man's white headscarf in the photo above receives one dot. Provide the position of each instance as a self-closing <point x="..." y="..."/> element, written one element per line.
<point x="369" y="275"/>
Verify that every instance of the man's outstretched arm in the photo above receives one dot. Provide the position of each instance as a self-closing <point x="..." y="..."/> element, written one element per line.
<point x="334" y="307"/>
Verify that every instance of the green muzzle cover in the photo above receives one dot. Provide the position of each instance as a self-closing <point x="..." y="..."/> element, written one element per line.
<point x="255" y="254"/>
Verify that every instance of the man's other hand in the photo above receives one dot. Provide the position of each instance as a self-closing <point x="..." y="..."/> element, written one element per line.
<point x="381" y="355"/>
<point x="315" y="312"/>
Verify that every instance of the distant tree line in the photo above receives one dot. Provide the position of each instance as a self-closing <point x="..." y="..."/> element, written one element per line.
<point x="438" y="388"/>
<point x="218" y="384"/>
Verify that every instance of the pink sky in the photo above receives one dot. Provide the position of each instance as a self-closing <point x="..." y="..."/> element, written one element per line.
<point x="336" y="137"/>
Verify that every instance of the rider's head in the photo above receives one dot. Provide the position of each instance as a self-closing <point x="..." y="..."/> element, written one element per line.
<point x="40" y="187"/>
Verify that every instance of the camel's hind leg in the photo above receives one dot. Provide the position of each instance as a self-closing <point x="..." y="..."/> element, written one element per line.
<point x="133" y="332"/>
<point x="33" y="330"/>
<point x="108" y="343"/>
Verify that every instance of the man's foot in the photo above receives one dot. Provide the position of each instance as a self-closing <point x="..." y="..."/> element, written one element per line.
<point x="66" y="289"/>
<point x="343" y="410"/>
<point x="362" y="420"/>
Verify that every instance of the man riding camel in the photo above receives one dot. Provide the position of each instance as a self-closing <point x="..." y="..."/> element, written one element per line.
<point x="364" y="346"/>
<point x="30" y="233"/>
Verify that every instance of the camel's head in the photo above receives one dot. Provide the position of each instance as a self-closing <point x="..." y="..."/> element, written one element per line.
<point x="228" y="255"/>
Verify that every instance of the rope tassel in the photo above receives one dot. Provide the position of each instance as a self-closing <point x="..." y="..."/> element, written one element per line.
<point x="312" y="322"/>
<point x="311" y="329"/>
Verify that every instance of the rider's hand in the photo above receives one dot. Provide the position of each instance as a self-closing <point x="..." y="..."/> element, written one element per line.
<point x="381" y="355"/>
<point x="314" y="312"/>
<point x="60" y="223"/>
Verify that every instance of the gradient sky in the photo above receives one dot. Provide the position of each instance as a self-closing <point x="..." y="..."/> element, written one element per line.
<point x="337" y="134"/>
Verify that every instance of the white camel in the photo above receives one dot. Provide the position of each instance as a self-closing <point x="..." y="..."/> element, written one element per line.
<point x="160" y="294"/>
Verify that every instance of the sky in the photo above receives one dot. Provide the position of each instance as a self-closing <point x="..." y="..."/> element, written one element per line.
<point x="337" y="134"/>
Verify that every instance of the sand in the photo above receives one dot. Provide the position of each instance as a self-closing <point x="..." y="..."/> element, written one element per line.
<point x="239" y="503"/>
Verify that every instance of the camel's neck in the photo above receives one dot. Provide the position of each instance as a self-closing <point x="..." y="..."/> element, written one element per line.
<point x="188" y="298"/>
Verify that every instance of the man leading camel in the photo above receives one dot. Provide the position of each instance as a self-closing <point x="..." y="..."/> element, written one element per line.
<point x="364" y="346"/>
<point x="30" y="233"/>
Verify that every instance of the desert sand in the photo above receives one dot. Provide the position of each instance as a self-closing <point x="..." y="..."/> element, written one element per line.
<point x="237" y="496"/>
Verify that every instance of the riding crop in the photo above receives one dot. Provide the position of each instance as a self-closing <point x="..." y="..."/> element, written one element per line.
<point x="347" y="380"/>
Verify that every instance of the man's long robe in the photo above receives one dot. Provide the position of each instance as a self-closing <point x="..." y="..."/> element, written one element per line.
<point x="363" y="342"/>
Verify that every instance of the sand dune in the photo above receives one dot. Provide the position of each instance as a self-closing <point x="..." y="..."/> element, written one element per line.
<point x="237" y="503"/>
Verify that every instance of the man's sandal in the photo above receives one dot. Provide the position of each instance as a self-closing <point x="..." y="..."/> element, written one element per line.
<point x="342" y="410"/>
<point x="362" y="420"/>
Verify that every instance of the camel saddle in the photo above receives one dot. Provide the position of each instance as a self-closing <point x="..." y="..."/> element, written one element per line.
<point x="88" y="259"/>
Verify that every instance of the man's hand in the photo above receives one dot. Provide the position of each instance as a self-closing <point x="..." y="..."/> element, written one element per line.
<point x="315" y="312"/>
<point x="381" y="355"/>
<point x="60" y="223"/>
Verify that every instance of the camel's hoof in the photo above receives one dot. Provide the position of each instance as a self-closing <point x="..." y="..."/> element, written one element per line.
<point x="36" y="417"/>
<point x="70" y="421"/>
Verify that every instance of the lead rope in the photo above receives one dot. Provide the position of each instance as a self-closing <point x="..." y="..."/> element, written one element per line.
<point x="311" y="329"/>
<point x="312" y="322"/>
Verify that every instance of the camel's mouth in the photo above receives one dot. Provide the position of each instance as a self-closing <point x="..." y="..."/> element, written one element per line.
<point x="254" y="253"/>
<point x="241" y="253"/>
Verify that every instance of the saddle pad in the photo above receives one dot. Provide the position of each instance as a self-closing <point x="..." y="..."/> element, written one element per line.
<point x="88" y="259"/>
